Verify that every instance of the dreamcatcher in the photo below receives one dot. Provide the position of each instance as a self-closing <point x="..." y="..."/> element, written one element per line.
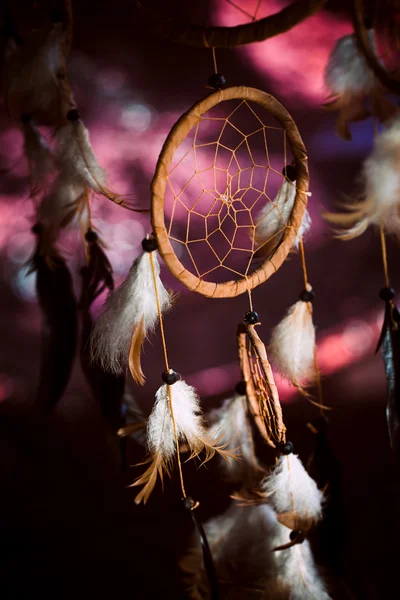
<point x="378" y="202"/>
<point x="226" y="212"/>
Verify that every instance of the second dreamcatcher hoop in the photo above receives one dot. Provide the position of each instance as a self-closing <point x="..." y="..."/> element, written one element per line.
<point x="215" y="191"/>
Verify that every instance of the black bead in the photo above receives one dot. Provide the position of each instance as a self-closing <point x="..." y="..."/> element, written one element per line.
<point x="91" y="236"/>
<point x="287" y="448"/>
<point x="188" y="503"/>
<point x="57" y="15"/>
<point x="149" y="244"/>
<point x="37" y="228"/>
<point x="290" y="172"/>
<point x="386" y="294"/>
<point x="170" y="378"/>
<point x="307" y="296"/>
<point x="251" y="318"/>
<point x="73" y="115"/>
<point x="217" y="81"/>
<point x="241" y="388"/>
<point x="297" y="534"/>
<point x="26" y="118"/>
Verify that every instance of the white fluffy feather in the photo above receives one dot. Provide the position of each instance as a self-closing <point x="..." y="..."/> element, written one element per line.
<point x="289" y="488"/>
<point x="381" y="176"/>
<point x="292" y="344"/>
<point x="230" y="426"/>
<point x="125" y="308"/>
<point x="76" y="157"/>
<point x="188" y="419"/>
<point x="39" y="155"/>
<point x="347" y="71"/>
<point x="32" y="85"/>
<point x="297" y="576"/>
<point x="382" y="180"/>
<point x="242" y="540"/>
<point x="275" y="216"/>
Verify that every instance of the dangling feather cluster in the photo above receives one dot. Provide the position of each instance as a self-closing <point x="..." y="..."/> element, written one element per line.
<point x="274" y="218"/>
<point x="381" y="178"/>
<point x="292" y="344"/>
<point x="242" y="541"/>
<point x="350" y="82"/>
<point x="176" y="417"/>
<point x="129" y="315"/>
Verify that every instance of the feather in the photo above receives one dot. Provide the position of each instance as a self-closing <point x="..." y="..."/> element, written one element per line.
<point x="292" y="344"/>
<point x="39" y="155"/>
<point x="391" y="358"/>
<point x="230" y="425"/>
<point x="186" y="421"/>
<point x="77" y="159"/>
<point x="274" y="218"/>
<point x="129" y="311"/>
<point x="65" y="203"/>
<point x="297" y="577"/>
<point x="35" y="78"/>
<point x="241" y="541"/>
<point x="293" y="494"/>
<point x="381" y="178"/>
<point x="59" y="328"/>
<point x="350" y="81"/>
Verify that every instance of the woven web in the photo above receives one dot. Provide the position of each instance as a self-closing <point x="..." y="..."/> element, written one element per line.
<point x="223" y="184"/>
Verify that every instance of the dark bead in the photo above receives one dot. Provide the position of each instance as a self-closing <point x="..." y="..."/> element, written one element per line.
<point x="73" y="115"/>
<point x="91" y="236"/>
<point x="170" y="378"/>
<point x="188" y="503"/>
<point x="149" y="244"/>
<point x="241" y="388"/>
<point x="307" y="296"/>
<point x="251" y="318"/>
<point x="37" y="228"/>
<point x="287" y="448"/>
<point x="297" y="534"/>
<point x="386" y="294"/>
<point x="217" y="81"/>
<point x="290" y="172"/>
<point x="57" y="15"/>
<point x="26" y="118"/>
<point x="84" y="271"/>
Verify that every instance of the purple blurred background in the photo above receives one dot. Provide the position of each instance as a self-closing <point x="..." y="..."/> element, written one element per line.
<point x="66" y="516"/>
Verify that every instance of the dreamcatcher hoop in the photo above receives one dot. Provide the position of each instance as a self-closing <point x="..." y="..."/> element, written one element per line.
<point x="227" y="37"/>
<point x="176" y="136"/>
<point x="261" y="391"/>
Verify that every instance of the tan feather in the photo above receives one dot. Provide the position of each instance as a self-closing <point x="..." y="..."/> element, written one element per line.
<point x="135" y="350"/>
<point x="158" y="468"/>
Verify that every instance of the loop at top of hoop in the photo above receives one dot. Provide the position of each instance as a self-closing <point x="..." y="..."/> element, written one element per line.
<point x="161" y="184"/>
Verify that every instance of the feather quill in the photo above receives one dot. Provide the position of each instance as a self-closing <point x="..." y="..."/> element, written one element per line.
<point x="292" y="344"/>
<point x="381" y="178"/>
<point x="130" y="314"/>
<point x="188" y="425"/>
<point x="274" y="218"/>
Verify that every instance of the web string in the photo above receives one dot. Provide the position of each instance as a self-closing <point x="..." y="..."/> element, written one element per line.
<point x="222" y="201"/>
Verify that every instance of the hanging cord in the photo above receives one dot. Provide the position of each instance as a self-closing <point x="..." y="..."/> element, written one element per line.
<point x="307" y="286"/>
<point x="214" y="60"/>
<point x="169" y="370"/>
